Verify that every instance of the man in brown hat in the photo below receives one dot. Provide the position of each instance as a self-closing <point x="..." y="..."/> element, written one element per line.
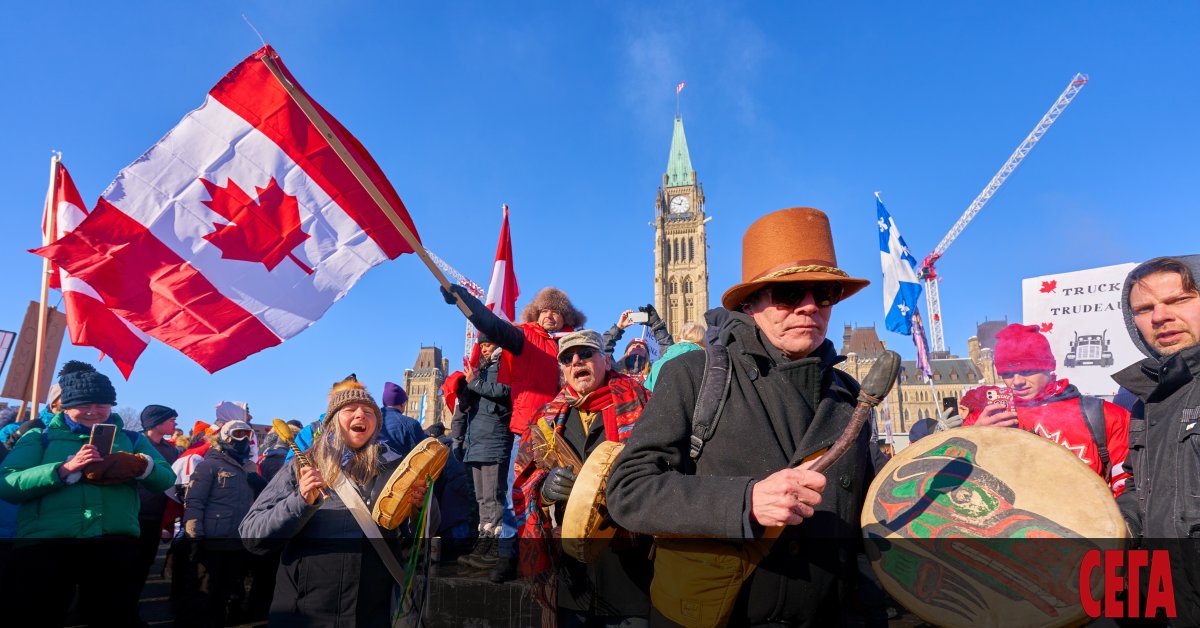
<point x="784" y="403"/>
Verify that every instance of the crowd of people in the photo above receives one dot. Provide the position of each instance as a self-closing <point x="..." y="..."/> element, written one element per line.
<point x="718" y="435"/>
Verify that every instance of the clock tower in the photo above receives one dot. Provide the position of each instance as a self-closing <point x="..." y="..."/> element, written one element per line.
<point x="680" y="245"/>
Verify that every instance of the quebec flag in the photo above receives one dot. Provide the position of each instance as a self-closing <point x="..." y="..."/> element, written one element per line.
<point x="901" y="288"/>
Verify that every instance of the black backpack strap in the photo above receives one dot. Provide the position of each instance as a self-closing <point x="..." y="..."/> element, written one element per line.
<point x="714" y="388"/>
<point x="1093" y="415"/>
<point x="20" y="431"/>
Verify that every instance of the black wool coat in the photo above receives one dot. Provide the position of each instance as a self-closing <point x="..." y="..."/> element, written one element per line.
<point x="776" y="414"/>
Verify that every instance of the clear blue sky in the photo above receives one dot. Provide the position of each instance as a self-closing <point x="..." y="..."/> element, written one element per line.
<point x="565" y="114"/>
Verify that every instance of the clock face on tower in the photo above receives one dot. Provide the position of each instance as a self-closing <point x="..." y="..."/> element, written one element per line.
<point x="680" y="204"/>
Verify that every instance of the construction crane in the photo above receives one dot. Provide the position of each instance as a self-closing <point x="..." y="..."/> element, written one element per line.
<point x="926" y="272"/>
<point x="471" y="287"/>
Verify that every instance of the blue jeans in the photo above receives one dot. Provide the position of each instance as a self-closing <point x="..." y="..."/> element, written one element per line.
<point x="508" y="521"/>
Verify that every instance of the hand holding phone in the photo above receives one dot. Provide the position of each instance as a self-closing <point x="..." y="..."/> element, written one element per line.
<point x="639" y="317"/>
<point x="103" y="435"/>
<point x="1001" y="395"/>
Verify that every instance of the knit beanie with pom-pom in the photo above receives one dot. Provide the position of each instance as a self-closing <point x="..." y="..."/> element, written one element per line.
<point x="82" y="385"/>
<point x="349" y="391"/>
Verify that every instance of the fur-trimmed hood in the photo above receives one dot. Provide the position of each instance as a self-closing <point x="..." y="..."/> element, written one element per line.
<point x="551" y="298"/>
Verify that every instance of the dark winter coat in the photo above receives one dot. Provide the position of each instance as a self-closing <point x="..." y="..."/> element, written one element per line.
<point x="1164" y="436"/>
<point x="455" y="499"/>
<point x="1162" y="499"/>
<point x="777" y="413"/>
<point x="219" y="496"/>
<point x="1164" y="447"/>
<point x="329" y="575"/>
<point x="154" y="503"/>
<point x="488" y="409"/>
<point x="271" y="463"/>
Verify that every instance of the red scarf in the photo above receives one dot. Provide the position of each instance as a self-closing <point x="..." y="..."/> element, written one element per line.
<point x="620" y="403"/>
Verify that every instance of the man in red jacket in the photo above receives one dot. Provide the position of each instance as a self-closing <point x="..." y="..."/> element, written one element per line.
<point x="1053" y="408"/>
<point x="529" y="365"/>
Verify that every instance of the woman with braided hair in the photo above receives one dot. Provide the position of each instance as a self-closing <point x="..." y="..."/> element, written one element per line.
<point x="328" y="574"/>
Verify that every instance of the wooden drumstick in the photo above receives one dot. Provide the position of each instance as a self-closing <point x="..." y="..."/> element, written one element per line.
<point x="875" y="386"/>
<point x="284" y="431"/>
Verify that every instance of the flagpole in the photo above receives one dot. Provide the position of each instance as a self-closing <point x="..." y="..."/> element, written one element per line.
<point x="306" y="105"/>
<point x="48" y="236"/>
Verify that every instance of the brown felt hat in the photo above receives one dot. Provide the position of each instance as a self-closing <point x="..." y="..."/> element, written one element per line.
<point x="789" y="245"/>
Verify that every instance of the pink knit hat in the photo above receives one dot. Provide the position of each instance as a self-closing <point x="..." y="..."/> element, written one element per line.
<point x="1023" y="348"/>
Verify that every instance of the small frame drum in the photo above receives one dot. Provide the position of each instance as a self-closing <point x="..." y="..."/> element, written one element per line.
<point x="585" y="533"/>
<point x="427" y="459"/>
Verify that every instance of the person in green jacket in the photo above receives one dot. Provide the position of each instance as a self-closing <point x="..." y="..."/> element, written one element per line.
<point x="691" y="338"/>
<point x="78" y="519"/>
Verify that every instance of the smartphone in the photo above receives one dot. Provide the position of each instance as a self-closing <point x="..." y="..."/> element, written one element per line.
<point x="1001" y="395"/>
<point x="103" y="435"/>
<point x="639" y="317"/>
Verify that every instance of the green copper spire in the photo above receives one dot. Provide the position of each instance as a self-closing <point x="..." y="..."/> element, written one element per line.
<point x="679" y="163"/>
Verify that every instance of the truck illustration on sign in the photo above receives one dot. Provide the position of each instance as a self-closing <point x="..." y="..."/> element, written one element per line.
<point x="1089" y="350"/>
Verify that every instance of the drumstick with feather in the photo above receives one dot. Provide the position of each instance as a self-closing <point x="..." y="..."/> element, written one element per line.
<point x="284" y="432"/>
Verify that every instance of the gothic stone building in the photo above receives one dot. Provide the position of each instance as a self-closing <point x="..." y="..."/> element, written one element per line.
<point x="424" y="381"/>
<point x="680" y="244"/>
<point x="914" y="399"/>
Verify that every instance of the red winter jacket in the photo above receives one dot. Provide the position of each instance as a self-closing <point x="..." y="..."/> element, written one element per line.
<point x="1059" y="418"/>
<point x="532" y="374"/>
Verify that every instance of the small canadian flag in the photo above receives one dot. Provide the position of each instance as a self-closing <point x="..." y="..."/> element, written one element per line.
<point x="241" y="226"/>
<point x="89" y="321"/>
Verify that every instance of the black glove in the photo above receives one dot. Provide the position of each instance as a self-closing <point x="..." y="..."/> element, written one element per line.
<point x="652" y="317"/>
<point x="449" y="293"/>
<point x="558" y="485"/>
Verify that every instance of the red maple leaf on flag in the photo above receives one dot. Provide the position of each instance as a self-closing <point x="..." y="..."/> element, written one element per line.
<point x="1046" y="327"/>
<point x="1049" y="286"/>
<point x="265" y="231"/>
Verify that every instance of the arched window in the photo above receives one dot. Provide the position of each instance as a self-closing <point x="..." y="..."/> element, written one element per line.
<point x="675" y="254"/>
<point x="691" y="249"/>
<point x="673" y="286"/>
<point x="687" y="285"/>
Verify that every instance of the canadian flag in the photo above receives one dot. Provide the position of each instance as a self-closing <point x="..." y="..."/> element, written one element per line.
<point x="89" y="321"/>
<point x="240" y="227"/>
<point x="503" y="290"/>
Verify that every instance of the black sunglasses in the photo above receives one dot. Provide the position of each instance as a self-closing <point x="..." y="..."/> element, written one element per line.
<point x="791" y="295"/>
<point x="585" y="353"/>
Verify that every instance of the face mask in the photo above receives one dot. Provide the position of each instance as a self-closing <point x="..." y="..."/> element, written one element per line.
<point x="634" y="362"/>
<point x="240" y="448"/>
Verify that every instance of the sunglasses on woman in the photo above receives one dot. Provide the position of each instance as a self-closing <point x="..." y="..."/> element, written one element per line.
<point x="584" y="354"/>
<point x="791" y="295"/>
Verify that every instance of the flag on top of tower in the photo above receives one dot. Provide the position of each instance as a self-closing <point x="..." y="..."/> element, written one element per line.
<point x="679" y="87"/>
<point x="241" y="226"/>
<point x="89" y="321"/>
<point x="901" y="288"/>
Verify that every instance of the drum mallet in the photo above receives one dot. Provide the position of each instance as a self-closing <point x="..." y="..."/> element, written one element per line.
<point x="284" y="431"/>
<point x="875" y="386"/>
